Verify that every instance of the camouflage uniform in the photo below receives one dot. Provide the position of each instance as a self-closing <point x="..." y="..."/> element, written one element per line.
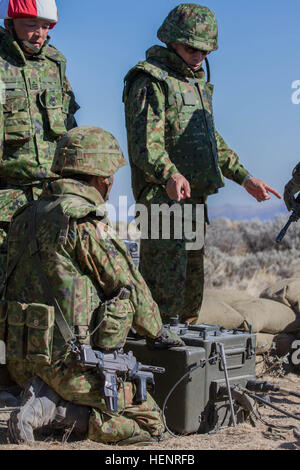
<point x="37" y="108"/>
<point x="170" y="129"/>
<point x="85" y="264"/>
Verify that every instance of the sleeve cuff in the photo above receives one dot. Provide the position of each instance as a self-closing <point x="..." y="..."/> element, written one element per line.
<point x="166" y="174"/>
<point x="240" y="175"/>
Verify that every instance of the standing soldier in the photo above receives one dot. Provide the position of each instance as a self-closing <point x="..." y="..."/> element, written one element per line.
<point x="175" y="152"/>
<point x="37" y="105"/>
<point x="76" y="273"/>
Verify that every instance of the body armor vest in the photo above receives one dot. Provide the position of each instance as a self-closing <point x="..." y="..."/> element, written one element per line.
<point x="35" y="109"/>
<point x="189" y="127"/>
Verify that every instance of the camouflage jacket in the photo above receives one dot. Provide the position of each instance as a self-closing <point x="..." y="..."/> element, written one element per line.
<point x="38" y="106"/>
<point x="83" y="259"/>
<point x="170" y="129"/>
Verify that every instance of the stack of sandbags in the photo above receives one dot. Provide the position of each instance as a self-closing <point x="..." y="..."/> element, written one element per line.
<point x="267" y="316"/>
<point x="229" y="296"/>
<point x="217" y="310"/>
<point x="286" y="292"/>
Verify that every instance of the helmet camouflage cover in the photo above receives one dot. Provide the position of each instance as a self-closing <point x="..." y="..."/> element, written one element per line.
<point x="192" y="25"/>
<point x="88" y="150"/>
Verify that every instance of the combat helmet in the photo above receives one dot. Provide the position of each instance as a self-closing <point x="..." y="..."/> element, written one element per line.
<point x="42" y="9"/>
<point x="192" y="25"/>
<point x="87" y="150"/>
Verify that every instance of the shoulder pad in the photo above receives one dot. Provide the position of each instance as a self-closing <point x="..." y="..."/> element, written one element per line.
<point x="78" y="207"/>
<point x="149" y="68"/>
<point x="146" y="67"/>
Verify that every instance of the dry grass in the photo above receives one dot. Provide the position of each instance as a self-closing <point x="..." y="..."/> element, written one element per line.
<point x="243" y="437"/>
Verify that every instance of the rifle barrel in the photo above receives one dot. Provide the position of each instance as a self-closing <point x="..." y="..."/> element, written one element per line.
<point x="284" y="230"/>
<point x="155" y="369"/>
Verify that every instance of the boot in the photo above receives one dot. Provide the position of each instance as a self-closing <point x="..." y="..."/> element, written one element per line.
<point x="42" y="407"/>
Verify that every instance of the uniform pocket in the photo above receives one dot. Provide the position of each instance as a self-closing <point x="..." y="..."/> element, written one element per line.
<point x="85" y="300"/>
<point x="53" y="102"/>
<point x="30" y="332"/>
<point x="40" y="323"/>
<point x="17" y="124"/>
<point x="116" y="318"/>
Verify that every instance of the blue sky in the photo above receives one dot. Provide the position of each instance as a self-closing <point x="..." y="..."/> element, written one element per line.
<point x="253" y="72"/>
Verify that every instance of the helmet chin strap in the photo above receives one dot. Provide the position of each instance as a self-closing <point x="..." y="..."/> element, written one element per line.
<point x="29" y="47"/>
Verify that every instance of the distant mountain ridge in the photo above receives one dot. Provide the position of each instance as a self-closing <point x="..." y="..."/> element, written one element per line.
<point x="262" y="211"/>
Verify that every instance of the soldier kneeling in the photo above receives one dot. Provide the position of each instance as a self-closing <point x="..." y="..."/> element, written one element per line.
<point x="70" y="283"/>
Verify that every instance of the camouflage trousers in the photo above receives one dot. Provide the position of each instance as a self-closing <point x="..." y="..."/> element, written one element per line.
<point x="175" y="277"/>
<point x="81" y="386"/>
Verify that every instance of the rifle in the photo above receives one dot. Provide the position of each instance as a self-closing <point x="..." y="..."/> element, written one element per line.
<point x="294" y="217"/>
<point x="112" y="364"/>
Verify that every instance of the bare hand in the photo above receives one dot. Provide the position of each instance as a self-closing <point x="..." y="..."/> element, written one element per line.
<point x="259" y="189"/>
<point x="178" y="187"/>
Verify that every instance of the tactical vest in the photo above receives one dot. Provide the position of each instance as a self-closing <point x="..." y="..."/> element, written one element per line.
<point x="35" y="109"/>
<point x="189" y="126"/>
<point x="30" y="320"/>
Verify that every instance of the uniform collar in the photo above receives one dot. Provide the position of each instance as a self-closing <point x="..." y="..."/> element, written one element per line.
<point x="166" y="56"/>
<point x="73" y="187"/>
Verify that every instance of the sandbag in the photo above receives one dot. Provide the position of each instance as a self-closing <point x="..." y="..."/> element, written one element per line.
<point x="267" y="316"/>
<point x="286" y="292"/>
<point x="264" y="342"/>
<point x="229" y="296"/>
<point x="215" y="312"/>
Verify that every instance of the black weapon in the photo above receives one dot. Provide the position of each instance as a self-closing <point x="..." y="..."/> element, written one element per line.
<point x="295" y="216"/>
<point x="116" y="363"/>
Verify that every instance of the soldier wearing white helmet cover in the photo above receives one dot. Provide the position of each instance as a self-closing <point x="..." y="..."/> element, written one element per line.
<point x="37" y="108"/>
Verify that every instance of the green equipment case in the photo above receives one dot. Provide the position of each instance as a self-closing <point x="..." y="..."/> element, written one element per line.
<point x="200" y="402"/>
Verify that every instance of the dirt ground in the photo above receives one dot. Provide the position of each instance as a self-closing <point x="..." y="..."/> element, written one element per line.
<point x="261" y="436"/>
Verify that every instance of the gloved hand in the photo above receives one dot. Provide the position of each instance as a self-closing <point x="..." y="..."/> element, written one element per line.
<point x="291" y="188"/>
<point x="166" y="339"/>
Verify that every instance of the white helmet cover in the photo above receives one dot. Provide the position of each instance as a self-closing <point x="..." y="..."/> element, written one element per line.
<point x="43" y="9"/>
